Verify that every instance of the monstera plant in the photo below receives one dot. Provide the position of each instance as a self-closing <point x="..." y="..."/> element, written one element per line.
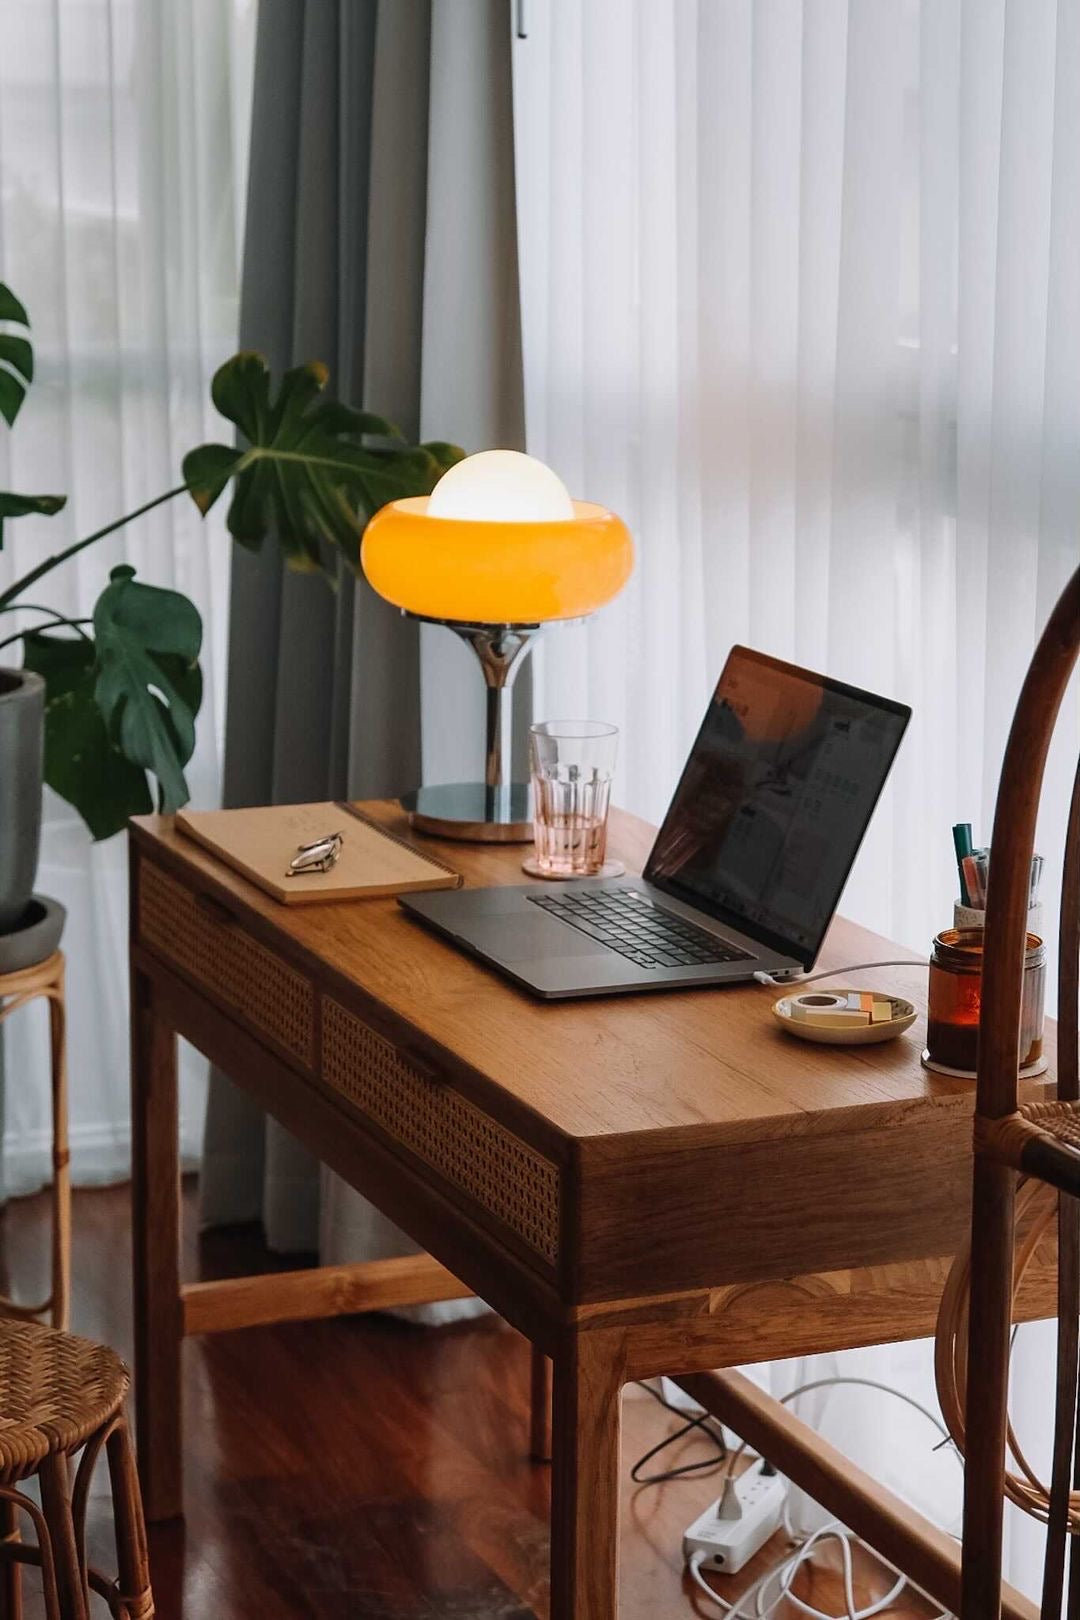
<point x="122" y="684"/>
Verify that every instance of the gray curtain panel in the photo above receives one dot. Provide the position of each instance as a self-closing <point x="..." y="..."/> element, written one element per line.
<point x="368" y="115"/>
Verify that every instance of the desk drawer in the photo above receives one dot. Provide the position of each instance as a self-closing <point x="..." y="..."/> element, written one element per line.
<point x="461" y="1142"/>
<point x="211" y="948"/>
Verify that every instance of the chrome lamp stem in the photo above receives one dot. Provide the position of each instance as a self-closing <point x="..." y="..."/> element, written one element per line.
<point x="501" y="649"/>
<point x="498" y="809"/>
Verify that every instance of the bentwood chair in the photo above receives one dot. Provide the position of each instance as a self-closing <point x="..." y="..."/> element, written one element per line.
<point x="1026" y="1175"/>
<point x="62" y="1397"/>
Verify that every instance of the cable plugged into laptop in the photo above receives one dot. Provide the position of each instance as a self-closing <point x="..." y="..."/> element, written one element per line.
<point x="795" y="977"/>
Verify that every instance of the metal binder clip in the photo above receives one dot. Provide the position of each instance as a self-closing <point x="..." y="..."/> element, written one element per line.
<point x="317" y="857"/>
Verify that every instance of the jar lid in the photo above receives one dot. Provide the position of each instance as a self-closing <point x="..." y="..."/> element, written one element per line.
<point x="963" y="948"/>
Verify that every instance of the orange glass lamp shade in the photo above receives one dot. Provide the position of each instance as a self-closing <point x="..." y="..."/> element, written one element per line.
<point x="484" y="571"/>
<point x="497" y="551"/>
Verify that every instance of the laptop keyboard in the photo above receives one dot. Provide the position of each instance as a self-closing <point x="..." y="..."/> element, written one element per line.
<point x="630" y="923"/>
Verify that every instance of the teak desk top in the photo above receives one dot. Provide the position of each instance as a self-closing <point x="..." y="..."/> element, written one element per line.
<point x="653" y="1183"/>
<point x="709" y="1061"/>
<point x="645" y="1099"/>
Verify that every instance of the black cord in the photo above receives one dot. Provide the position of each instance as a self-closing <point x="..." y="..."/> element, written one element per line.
<point x="704" y="1466"/>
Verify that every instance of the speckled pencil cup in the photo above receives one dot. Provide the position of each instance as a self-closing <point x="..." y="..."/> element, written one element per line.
<point x="972" y="917"/>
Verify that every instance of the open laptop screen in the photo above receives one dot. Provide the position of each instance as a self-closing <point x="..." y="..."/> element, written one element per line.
<point x="775" y="798"/>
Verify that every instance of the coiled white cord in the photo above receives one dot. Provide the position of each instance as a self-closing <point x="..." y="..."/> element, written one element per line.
<point x="784" y="1574"/>
<point x="774" y="1587"/>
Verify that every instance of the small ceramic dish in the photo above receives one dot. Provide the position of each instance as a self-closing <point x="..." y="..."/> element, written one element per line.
<point x="863" y="1035"/>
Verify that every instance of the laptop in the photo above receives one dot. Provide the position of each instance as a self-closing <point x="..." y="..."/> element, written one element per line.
<point x="746" y="871"/>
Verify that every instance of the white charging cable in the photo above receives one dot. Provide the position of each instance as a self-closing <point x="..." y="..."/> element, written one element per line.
<point x="782" y="1575"/>
<point x="783" y="980"/>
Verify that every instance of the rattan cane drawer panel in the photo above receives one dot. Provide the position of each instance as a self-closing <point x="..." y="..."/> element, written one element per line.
<point x="274" y="998"/>
<point x="461" y="1142"/>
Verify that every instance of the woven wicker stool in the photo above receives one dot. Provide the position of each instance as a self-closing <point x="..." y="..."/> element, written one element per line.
<point x="60" y="1395"/>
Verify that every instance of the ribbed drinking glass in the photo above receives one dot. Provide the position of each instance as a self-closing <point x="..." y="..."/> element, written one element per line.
<point x="573" y="762"/>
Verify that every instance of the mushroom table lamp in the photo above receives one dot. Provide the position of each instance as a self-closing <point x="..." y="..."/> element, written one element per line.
<point x="496" y="553"/>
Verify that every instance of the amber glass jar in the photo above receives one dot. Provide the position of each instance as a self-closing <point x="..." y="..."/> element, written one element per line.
<point x="953" y="1014"/>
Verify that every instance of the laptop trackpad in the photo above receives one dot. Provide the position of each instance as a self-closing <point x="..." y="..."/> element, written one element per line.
<point x="523" y="938"/>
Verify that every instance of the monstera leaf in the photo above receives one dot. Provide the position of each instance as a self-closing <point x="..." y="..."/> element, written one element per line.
<point x="82" y="763"/>
<point x="140" y="630"/>
<point x="306" y="475"/>
<point x="16" y="357"/>
<point x="16" y="375"/>
<point x="12" y="505"/>
<point x="122" y="704"/>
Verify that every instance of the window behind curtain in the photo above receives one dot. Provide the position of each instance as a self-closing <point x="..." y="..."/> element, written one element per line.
<point x="123" y="135"/>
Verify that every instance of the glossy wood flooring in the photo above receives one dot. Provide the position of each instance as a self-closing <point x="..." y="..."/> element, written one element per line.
<point x="364" y="1469"/>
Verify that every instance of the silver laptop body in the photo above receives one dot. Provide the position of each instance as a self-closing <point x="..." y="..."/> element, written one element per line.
<point x="746" y="871"/>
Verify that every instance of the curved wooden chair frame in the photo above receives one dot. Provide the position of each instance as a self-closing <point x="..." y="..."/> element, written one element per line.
<point x="1037" y="1142"/>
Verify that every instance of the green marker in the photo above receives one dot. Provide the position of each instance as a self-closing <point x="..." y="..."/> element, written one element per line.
<point x="961" y="837"/>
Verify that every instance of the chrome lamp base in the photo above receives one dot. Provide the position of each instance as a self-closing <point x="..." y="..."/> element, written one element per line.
<point x="497" y="810"/>
<point x="471" y="810"/>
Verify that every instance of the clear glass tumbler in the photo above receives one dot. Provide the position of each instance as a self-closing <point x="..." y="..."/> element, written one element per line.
<point x="573" y="762"/>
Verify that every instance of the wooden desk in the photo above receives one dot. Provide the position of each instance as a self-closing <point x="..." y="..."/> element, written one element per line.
<point x="645" y="1184"/>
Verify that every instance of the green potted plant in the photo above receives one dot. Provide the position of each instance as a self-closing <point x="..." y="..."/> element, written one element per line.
<point x="103" y="707"/>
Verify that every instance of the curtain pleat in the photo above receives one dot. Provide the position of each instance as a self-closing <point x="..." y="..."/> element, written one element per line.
<point x="799" y="293"/>
<point x="380" y="237"/>
<point x="291" y="636"/>
<point x="121" y="183"/>
<point x="801" y="300"/>
<point x="471" y="357"/>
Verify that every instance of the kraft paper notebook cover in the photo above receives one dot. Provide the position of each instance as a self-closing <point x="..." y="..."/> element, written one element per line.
<point x="261" y="842"/>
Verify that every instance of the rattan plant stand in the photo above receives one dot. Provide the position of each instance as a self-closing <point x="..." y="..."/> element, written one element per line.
<point x="18" y="990"/>
<point x="59" y="1396"/>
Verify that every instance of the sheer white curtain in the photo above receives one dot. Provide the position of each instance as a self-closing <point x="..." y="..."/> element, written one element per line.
<point x="801" y="301"/>
<point x="123" y="131"/>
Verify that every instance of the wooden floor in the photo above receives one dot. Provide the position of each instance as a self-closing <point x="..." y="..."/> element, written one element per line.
<point x="364" y="1469"/>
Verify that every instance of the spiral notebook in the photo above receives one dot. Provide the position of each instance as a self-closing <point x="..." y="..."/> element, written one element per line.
<point x="261" y="842"/>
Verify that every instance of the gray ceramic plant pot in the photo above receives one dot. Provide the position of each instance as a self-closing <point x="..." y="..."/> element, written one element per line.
<point x="22" y="733"/>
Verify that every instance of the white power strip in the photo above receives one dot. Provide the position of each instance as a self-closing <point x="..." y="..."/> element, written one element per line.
<point x="731" y="1531"/>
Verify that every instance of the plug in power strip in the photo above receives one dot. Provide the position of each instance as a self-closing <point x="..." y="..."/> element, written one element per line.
<point x="730" y="1542"/>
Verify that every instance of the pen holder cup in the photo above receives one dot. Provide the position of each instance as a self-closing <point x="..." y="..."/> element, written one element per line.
<point x="954" y="999"/>
<point x="971" y="917"/>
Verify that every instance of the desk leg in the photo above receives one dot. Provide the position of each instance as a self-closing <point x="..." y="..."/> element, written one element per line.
<point x="539" y="1407"/>
<point x="155" y="1193"/>
<point x="585" y="1478"/>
